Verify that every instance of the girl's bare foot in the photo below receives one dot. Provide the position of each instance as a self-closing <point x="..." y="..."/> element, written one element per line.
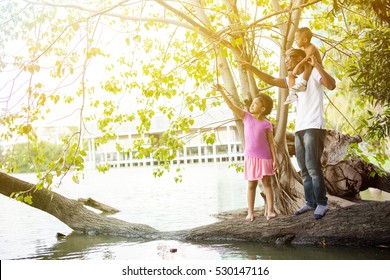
<point x="271" y="216"/>
<point x="249" y="218"/>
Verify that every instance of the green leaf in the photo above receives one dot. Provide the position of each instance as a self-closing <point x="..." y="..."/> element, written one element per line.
<point x="75" y="179"/>
<point x="137" y="38"/>
<point x="76" y="26"/>
<point x="26" y="129"/>
<point x="28" y="199"/>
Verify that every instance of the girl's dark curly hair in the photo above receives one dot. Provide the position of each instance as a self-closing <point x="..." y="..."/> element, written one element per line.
<point x="267" y="101"/>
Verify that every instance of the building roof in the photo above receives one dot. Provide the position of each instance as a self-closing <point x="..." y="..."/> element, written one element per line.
<point x="211" y="118"/>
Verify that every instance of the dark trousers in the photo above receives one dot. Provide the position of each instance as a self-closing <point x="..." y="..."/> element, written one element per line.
<point x="309" y="145"/>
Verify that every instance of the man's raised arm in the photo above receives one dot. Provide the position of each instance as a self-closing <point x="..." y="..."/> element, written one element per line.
<point x="326" y="80"/>
<point x="279" y="82"/>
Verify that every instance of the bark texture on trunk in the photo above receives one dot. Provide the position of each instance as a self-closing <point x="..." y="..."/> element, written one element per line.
<point x="72" y="212"/>
<point x="346" y="223"/>
<point x="365" y="224"/>
<point x="346" y="178"/>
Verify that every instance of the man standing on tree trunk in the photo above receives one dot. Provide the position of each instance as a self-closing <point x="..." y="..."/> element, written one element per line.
<point x="310" y="130"/>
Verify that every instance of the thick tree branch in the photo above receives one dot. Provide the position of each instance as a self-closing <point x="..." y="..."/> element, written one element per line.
<point x="365" y="224"/>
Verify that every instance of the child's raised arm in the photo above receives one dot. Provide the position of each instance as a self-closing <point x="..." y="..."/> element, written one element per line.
<point x="236" y="110"/>
<point x="299" y="65"/>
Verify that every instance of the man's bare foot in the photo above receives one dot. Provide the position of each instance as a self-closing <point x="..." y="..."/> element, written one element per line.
<point x="249" y="218"/>
<point x="271" y="216"/>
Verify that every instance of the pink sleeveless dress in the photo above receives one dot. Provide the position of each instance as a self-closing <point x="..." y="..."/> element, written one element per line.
<point x="258" y="157"/>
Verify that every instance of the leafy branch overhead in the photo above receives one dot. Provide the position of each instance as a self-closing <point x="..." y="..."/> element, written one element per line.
<point x="103" y="65"/>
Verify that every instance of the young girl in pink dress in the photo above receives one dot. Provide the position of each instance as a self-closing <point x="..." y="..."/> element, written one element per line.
<point x="260" y="160"/>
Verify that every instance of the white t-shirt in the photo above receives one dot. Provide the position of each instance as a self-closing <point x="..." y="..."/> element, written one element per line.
<point x="310" y="104"/>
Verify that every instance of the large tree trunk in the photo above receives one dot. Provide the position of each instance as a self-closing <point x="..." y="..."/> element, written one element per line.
<point x="349" y="177"/>
<point x="360" y="224"/>
<point x="346" y="223"/>
<point x="287" y="196"/>
<point x="346" y="178"/>
<point x="71" y="212"/>
<point x="365" y="224"/>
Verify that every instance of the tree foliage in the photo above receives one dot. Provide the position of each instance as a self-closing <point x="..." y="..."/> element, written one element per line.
<point x="367" y="80"/>
<point x="112" y="63"/>
<point x="20" y="156"/>
<point x="370" y="76"/>
<point x="381" y="8"/>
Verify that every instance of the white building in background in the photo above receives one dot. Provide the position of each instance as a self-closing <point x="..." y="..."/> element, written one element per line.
<point x="227" y="147"/>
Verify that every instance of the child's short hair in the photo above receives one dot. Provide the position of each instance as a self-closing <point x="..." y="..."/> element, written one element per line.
<point x="297" y="53"/>
<point x="267" y="101"/>
<point x="306" y="32"/>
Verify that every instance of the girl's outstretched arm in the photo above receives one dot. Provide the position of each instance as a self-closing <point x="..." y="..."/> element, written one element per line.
<point x="236" y="110"/>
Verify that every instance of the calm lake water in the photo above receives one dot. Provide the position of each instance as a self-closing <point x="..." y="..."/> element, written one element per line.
<point x="27" y="233"/>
